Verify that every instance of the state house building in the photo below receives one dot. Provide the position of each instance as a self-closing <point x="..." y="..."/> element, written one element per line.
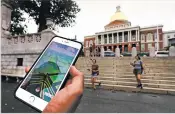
<point x="119" y="33"/>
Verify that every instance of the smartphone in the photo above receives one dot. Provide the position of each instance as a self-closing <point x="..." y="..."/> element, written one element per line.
<point x="49" y="73"/>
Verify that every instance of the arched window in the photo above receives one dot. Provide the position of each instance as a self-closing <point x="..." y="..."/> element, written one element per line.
<point x="149" y="37"/>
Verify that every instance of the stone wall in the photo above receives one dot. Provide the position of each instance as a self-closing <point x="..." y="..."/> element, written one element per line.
<point x="29" y="43"/>
<point x="9" y="63"/>
<point x="27" y="47"/>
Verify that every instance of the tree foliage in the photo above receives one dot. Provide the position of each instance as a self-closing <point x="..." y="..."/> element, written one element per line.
<point x="16" y="22"/>
<point x="62" y="12"/>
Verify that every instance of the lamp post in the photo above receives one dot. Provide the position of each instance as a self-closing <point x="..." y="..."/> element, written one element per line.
<point x="49" y="23"/>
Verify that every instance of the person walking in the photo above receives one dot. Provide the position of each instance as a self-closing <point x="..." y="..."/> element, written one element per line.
<point x="138" y="70"/>
<point x="95" y="73"/>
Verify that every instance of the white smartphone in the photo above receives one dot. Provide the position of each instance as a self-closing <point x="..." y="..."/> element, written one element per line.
<point x="49" y="73"/>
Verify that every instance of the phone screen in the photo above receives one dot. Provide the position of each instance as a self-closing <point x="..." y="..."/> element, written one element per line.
<point x="47" y="74"/>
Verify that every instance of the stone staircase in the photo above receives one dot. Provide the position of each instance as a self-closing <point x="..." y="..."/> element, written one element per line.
<point x="116" y="74"/>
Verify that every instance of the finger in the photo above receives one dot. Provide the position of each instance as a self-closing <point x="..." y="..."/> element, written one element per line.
<point x="68" y="82"/>
<point x="27" y="69"/>
<point x="74" y="72"/>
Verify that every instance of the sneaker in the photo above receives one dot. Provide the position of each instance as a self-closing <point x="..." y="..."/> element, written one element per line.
<point x="140" y="86"/>
<point x="94" y="88"/>
<point x="99" y="83"/>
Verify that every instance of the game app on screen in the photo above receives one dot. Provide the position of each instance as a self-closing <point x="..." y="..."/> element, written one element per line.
<point x="47" y="75"/>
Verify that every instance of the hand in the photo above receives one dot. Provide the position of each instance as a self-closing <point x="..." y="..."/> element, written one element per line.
<point x="64" y="99"/>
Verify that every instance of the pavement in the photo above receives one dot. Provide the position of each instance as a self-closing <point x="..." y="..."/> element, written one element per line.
<point x="98" y="101"/>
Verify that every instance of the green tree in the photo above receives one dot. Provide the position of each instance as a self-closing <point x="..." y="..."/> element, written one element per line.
<point x="62" y="12"/>
<point x="16" y="22"/>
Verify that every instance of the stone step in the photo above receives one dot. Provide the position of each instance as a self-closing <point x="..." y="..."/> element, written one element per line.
<point x="133" y="79"/>
<point x="134" y="89"/>
<point x="163" y="86"/>
<point x="121" y="71"/>
<point x="146" y="76"/>
<point x="103" y="66"/>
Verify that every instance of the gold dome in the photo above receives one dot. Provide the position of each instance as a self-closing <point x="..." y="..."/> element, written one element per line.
<point x="118" y="15"/>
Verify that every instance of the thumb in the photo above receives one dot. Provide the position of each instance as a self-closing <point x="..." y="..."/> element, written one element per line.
<point x="74" y="72"/>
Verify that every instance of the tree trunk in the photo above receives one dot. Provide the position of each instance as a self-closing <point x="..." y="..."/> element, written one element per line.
<point x="44" y="11"/>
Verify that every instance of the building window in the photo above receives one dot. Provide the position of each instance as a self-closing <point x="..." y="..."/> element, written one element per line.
<point x="110" y="38"/>
<point x="149" y="46"/>
<point x="19" y="61"/>
<point x="99" y="39"/>
<point x="87" y="44"/>
<point x="126" y="38"/>
<point x="90" y="42"/>
<point x="149" y="37"/>
<point x="120" y="38"/>
<point x="142" y="38"/>
<point x="115" y="38"/>
<point x="105" y="39"/>
<point x="142" y="47"/>
<point x="133" y="38"/>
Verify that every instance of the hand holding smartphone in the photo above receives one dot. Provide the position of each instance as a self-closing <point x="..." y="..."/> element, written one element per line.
<point x="49" y="73"/>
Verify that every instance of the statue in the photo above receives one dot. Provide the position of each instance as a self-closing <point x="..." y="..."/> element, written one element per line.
<point x="118" y="8"/>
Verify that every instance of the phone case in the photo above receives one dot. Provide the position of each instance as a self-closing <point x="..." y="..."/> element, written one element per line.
<point x="67" y="77"/>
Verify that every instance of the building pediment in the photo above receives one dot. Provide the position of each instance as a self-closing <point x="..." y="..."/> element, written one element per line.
<point x="117" y="24"/>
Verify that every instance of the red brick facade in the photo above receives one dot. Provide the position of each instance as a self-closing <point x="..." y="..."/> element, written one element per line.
<point x="129" y="45"/>
<point x="153" y="31"/>
<point x="87" y="41"/>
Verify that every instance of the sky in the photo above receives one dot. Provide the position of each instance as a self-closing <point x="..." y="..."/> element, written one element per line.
<point x="95" y="14"/>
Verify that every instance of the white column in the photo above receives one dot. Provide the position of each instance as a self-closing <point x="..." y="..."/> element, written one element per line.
<point x="136" y="35"/>
<point x="130" y="36"/>
<point x="112" y="38"/>
<point x="107" y="38"/>
<point x="117" y="37"/>
<point x="102" y="39"/>
<point x="97" y="40"/>
<point x="122" y="36"/>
